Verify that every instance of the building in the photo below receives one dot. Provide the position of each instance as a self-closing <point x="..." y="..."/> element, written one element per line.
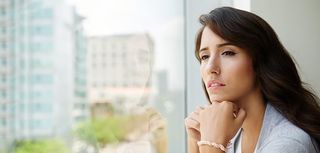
<point x="80" y="110"/>
<point x="119" y="70"/>
<point x="42" y="72"/>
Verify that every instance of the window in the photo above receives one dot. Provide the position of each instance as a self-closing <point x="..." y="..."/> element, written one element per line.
<point x="41" y="79"/>
<point x="121" y="58"/>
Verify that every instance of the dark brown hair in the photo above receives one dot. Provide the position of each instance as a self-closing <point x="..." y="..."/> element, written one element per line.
<point x="275" y="70"/>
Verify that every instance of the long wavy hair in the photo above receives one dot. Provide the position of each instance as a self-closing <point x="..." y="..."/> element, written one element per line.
<point x="275" y="70"/>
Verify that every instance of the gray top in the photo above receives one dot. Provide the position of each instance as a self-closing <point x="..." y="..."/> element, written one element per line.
<point x="278" y="135"/>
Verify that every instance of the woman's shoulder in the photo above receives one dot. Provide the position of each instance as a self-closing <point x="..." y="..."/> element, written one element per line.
<point x="285" y="130"/>
<point x="280" y="135"/>
<point x="288" y="138"/>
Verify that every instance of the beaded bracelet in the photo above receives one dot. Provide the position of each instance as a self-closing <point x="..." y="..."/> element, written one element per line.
<point x="212" y="144"/>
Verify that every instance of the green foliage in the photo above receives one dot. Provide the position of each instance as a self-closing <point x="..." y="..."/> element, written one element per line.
<point x="41" y="146"/>
<point x="103" y="130"/>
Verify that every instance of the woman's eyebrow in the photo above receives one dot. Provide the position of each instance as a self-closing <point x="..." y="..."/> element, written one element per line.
<point x="203" y="49"/>
<point x="224" y="44"/>
<point x="218" y="46"/>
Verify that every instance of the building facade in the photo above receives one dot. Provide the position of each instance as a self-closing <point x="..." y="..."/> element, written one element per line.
<point x="42" y="72"/>
<point x="119" y="69"/>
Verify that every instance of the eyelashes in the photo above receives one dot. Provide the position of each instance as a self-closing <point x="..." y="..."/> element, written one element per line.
<point x="204" y="57"/>
<point x="228" y="53"/>
<point x="225" y="53"/>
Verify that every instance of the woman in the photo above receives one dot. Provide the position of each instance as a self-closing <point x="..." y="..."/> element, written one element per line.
<point x="258" y="102"/>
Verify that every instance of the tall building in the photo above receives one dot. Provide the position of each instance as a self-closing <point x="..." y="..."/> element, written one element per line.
<point x="42" y="72"/>
<point x="119" y="69"/>
<point x="80" y="108"/>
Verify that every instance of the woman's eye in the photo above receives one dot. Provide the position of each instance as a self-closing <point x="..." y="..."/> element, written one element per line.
<point x="204" y="57"/>
<point x="228" y="53"/>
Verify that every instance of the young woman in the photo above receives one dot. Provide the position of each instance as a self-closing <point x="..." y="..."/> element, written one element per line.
<point x="258" y="102"/>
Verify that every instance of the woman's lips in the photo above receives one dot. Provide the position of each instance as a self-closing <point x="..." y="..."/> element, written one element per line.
<point x="215" y="84"/>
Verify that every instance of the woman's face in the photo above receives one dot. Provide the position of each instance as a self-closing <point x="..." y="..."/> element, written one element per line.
<point x="226" y="70"/>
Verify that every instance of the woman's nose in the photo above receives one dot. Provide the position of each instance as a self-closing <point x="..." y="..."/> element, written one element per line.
<point x="213" y="65"/>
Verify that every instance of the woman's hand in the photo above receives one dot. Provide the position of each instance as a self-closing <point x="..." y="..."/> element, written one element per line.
<point x="220" y="121"/>
<point x="192" y="124"/>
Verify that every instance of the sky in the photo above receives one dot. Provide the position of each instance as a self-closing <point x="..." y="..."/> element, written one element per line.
<point x="125" y="16"/>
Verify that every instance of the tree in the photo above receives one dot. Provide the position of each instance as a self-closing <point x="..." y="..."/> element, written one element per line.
<point x="41" y="146"/>
<point x="103" y="130"/>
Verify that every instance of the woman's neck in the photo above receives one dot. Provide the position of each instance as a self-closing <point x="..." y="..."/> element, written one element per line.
<point x="255" y="107"/>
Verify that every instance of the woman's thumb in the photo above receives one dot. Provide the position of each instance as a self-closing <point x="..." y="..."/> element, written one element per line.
<point x="240" y="116"/>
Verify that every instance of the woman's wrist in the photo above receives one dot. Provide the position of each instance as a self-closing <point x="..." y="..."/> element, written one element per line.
<point x="210" y="149"/>
<point x="213" y="144"/>
<point x="192" y="139"/>
<point x="220" y="140"/>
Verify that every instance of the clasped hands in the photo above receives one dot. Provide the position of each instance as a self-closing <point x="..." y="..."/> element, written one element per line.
<point x="217" y="122"/>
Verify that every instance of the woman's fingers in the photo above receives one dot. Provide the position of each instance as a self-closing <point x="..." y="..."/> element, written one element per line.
<point x="220" y="121"/>
<point x="192" y="123"/>
<point x="198" y="109"/>
<point x="240" y="116"/>
<point x="235" y="107"/>
<point x="235" y="110"/>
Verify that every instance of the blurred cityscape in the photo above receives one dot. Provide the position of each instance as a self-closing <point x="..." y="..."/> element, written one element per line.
<point x="64" y="92"/>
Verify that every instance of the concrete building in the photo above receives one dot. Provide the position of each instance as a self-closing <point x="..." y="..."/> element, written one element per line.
<point x="119" y="69"/>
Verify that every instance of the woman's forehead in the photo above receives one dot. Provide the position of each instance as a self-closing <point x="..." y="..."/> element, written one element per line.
<point x="209" y="38"/>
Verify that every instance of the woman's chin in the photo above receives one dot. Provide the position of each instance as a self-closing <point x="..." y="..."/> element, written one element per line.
<point x="216" y="98"/>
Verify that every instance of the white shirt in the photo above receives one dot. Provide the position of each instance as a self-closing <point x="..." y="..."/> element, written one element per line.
<point x="238" y="144"/>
